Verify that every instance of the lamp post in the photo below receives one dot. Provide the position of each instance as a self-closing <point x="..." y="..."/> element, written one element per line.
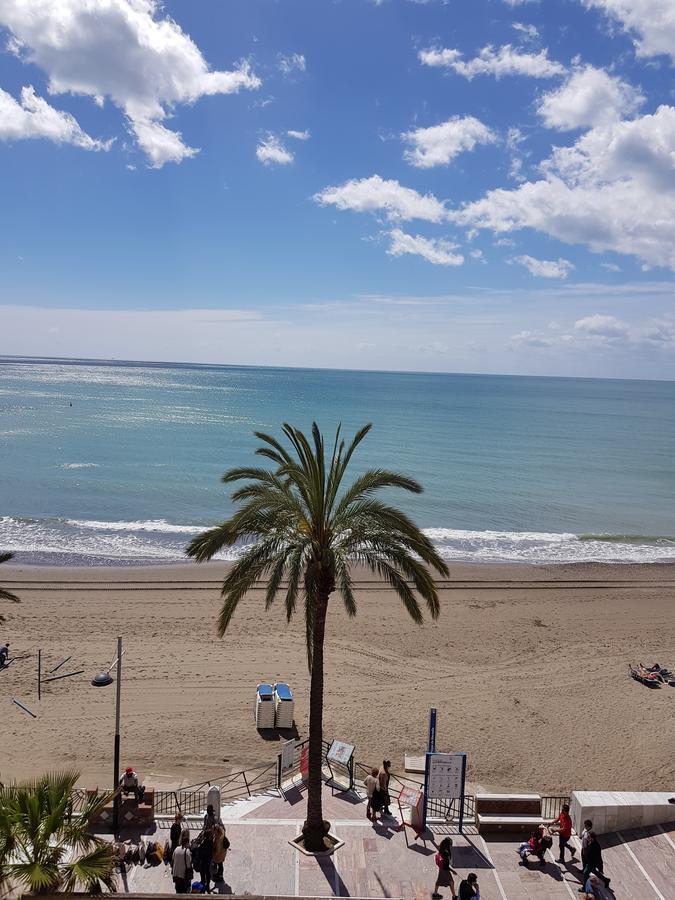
<point x="103" y="679"/>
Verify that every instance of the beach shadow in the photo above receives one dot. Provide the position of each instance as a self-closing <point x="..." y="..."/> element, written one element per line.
<point x="289" y="734"/>
<point x="269" y="734"/>
<point x="384" y="830"/>
<point x="332" y="876"/>
<point x="349" y="797"/>
<point x="421" y="849"/>
<point x="293" y="795"/>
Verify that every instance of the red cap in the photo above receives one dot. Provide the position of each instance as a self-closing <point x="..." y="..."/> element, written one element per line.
<point x="129" y="771"/>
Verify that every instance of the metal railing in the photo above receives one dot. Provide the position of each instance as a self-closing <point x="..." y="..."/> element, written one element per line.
<point x="551" y="806"/>
<point x="191" y="800"/>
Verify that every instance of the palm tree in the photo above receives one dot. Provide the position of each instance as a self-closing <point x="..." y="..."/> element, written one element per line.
<point x="300" y="523"/>
<point x="44" y="848"/>
<point x="6" y="595"/>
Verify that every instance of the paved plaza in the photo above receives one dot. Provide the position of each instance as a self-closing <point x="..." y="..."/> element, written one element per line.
<point x="381" y="861"/>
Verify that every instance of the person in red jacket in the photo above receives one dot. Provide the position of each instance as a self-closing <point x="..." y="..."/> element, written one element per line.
<point x="563" y="827"/>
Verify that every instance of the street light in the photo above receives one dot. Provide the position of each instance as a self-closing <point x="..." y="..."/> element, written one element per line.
<point x="103" y="679"/>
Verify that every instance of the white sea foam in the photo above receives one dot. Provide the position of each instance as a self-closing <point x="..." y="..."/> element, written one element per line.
<point x="545" y="547"/>
<point x="85" y="465"/>
<point x="156" y="525"/>
<point x="160" y="540"/>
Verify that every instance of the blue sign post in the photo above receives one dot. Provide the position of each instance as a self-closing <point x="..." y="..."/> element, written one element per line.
<point x="444" y="775"/>
<point x="431" y="748"/>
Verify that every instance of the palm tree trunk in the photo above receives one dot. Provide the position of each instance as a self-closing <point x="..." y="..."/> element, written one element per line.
<point x="315" y="828"/>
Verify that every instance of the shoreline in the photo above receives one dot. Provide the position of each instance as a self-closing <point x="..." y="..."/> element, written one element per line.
<point x="527" y="666"/>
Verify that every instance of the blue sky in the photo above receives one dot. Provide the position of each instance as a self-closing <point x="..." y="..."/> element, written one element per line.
<point x="475" y="185"/>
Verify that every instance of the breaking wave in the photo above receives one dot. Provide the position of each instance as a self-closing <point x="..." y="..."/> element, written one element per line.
<point x="90" y="541"/>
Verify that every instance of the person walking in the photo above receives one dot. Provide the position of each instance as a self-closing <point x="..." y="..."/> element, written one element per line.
<point x="593" y="863"/>
<point x="469" y="889"/>
<point x="178" y="828"/>
<point x="384" y="777"/>
<point x="220" y="847"/>
<point x="444" y="862"/>
<point x="211" y="818"/>
<point x="206" y="858"/>
<point x="563" y="828"/>
<point x="181" y="865"/>
<point x="371" y="782"/>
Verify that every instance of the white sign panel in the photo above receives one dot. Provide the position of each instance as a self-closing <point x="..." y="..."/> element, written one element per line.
<point x="340" y="752"/>
<point x="445" y="776"/>
<point x="287" y="755"/>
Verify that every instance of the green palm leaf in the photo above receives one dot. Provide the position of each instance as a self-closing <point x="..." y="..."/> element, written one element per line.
<point x="44" y="848"/>
<point x="4" y="594"/>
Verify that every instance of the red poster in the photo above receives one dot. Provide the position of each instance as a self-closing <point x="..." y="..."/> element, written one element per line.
<point x="304" y="762"/>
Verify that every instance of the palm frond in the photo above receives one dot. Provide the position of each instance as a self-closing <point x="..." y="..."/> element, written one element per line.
<point x="5" y="594"/>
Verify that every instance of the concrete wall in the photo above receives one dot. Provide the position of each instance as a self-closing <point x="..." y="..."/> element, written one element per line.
<point x="614" y="810"/>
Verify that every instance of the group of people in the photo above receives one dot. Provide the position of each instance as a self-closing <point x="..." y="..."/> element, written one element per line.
<point x="377" y="791"/>
<point x="204" y="855"/>
<point x="541" y="839"/>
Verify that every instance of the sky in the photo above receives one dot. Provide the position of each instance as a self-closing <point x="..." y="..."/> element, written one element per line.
<point x="460" y="186"/>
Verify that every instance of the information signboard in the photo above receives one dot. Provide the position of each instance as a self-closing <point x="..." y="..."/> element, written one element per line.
<point x="340" y="752"/>
<point x="445" y="780"/>
<point x="287" y="756"/>
<point x="412" y="799"/>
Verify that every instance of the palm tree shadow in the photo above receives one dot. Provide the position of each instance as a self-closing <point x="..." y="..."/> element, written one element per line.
<point x="332" y="876"/>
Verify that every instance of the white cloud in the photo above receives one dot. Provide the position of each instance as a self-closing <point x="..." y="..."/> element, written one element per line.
<point x="528" y="338"/>
<point x="435" y="250"/>
<point x="33" y="117"/>
<point x="292" y="62"/>
<point x="477" y="255"/>
<point x="506" y="60"/>
<point x="529" y="32"/>
<point x="590" y="97"/>
<point x="545" y="268"/>
<point x="602" y="326"/>
<point x="375" y="193"/>
<point x="602" y="332"/>
<point x="612" y="190"/>
<point x="299" y="135"/>
<point x="518" y="2"/>
<point x="439" y="144"/>
<point x="160" y="144"/>
<point x="611" y="267"/>
<point x="650" y="22"/>
<point x="123" y="50"/>
<point x="271" y="150"/>
<point x="514" y="138"/>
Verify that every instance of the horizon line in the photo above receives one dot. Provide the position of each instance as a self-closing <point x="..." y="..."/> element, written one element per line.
<point x="142" y="363"/>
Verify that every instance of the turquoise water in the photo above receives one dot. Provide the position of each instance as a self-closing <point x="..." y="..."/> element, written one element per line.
<point x="514" y="468"/>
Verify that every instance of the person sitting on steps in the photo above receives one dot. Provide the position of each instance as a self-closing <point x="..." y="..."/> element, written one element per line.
<point x="129" y="784"/>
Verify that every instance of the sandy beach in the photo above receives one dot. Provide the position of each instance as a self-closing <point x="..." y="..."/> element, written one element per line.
<point x="526" y="665"/>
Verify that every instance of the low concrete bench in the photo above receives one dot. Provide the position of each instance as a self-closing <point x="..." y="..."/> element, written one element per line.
<point x="508" y="812"/>
<point x="131" y="813"/>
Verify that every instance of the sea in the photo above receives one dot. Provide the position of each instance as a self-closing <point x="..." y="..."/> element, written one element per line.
<point x="119" y="463"/>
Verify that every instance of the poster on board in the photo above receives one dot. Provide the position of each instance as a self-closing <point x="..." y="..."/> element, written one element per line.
<point x="287" y="756"/>
<point x="340" y="752"/>
<point x="445" y="780"/>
